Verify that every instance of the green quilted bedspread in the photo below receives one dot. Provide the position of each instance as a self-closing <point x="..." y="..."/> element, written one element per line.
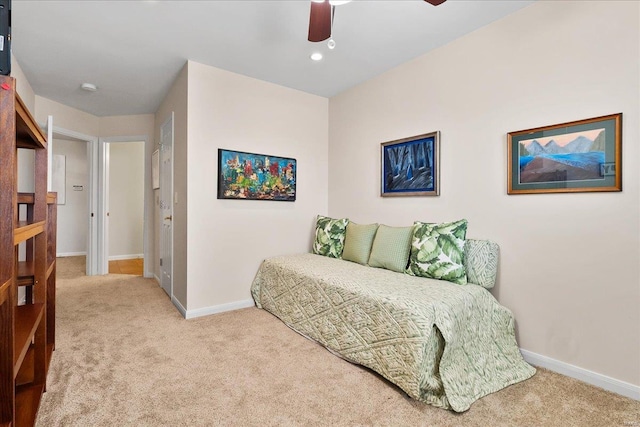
<point x="444" y="344"/>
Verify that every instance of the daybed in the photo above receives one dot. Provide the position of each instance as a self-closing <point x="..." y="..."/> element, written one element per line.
<point x="442" y="343"/>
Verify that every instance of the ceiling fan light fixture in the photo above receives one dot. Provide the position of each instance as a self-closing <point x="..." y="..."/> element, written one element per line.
<point x="339" y="2"/>
<point x="316" y="56"/>
<point x="331" y="44"/>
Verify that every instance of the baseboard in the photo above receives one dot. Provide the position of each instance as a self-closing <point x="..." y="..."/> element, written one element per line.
<point x="589" y="377"/>
<point x="178" y="305"/>
<point x="120" y="257"/>
<point x="236" y="305"/>
<point x="66" y="254"/>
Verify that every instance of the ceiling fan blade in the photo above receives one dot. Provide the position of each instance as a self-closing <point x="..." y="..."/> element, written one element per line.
<point x="435" y="2"/>
<point x="320" y="21"/>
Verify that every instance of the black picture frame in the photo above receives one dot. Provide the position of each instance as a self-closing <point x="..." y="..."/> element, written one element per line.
<point x="252" y="176"/>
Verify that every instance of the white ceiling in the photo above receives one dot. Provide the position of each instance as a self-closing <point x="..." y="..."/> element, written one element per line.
<point x="133" y="50"/>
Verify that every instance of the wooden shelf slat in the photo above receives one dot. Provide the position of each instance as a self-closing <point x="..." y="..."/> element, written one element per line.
<point x="26" y="231"/>
<point x="25" y="272"/>
<point x="50" y="268"/>
<point x="26" y="198"/>
<point x="52" y="198"/>
<point x="27" y="404"/>
<point x="25" y="373"/>
<point x="25" y="268"/>
<point x="28" y="133"/>
<point x="27" y="319"/>
<point x="4" y="291"/>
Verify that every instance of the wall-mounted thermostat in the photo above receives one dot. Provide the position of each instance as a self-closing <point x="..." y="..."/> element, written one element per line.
<point x="78" y="187"/>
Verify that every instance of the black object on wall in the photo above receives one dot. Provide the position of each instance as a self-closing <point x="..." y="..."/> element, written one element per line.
<point x="5" y="37"/>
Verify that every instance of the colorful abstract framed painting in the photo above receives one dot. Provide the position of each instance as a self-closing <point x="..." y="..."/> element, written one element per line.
<point x="411" y="166"/>
<point x="249" y="176"/>
<point x="580" y="156"/>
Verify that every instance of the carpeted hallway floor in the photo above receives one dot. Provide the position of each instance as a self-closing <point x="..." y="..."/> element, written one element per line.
<point x="125" y="357"/>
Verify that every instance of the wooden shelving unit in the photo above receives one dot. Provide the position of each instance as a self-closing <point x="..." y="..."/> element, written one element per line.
<point x="27" y="265"/>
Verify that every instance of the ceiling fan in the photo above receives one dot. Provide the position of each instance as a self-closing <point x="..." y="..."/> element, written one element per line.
<point x="321" y="17"/>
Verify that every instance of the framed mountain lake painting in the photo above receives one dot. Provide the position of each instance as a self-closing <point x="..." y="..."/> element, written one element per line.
<point x="411" y="166"/>
<point x="580" y="156"/>
<point x="249" y="176"/>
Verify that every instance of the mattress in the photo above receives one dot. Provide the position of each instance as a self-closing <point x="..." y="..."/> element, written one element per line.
<point x="444" y="344"/>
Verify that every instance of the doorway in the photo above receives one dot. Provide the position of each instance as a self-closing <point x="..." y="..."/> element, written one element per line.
<point x="96" y="189"/>
<point x="72" y="177"/>
<point x="126" y="207"/>
<point x="131" y="155"/>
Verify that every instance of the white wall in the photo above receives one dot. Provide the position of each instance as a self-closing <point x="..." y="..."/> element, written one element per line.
<point x="72" y="216"/>
<point x="569" y="262"/>
<point x="175" y="101"/>
<point x="126" y="199"/>
<point x="139" y="124"/>
<point x="23" y="87"/>
<point x="228" y="239"/>
<point x="66" y="117"/>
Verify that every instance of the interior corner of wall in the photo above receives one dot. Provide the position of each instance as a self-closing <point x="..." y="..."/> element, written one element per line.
<point x="23" y="87"/>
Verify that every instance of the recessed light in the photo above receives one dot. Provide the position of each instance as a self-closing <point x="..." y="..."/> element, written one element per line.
<point x="316" y="56"/>
<point x="89" y="87"/>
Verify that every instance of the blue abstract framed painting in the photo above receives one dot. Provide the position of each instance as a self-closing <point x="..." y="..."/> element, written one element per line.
<point x="580" y="156"/>
<point x="250" y="176"/>
<point x="411" y="166"/>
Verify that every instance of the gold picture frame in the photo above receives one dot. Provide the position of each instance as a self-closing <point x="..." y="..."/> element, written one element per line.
<point x="579" y="156"/>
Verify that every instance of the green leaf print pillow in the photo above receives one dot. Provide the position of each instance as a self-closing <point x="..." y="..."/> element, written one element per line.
<point x="330" y="234"/>
<point x="437" y="251"/>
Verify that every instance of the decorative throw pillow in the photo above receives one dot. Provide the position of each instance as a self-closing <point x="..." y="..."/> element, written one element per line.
<point x="330" y="234"/>
<point x="391" y="248"/>
<point x="357" y="243"/>
<point x="437" y="251"/>
<point x="481" y="260"/>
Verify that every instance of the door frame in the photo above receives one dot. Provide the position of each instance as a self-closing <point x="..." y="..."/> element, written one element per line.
<point x="169" y="119"/>
<point x="92" y="217"/>
<point x="103" y="160"/>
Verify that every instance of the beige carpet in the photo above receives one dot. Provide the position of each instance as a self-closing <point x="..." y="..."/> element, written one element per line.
<point x="125" y="357"/>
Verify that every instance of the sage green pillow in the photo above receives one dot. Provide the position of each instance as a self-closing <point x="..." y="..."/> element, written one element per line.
<point x="330" y="235"/>
<point x="358" y="241"/>
<point x="437" y="251"/>
<point x="391" y="248"/>
<point x="481" y="261"/>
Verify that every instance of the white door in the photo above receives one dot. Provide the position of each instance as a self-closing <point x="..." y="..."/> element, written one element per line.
<point x="92" y="188"/>
<point x="166" y="206"/>
<point x="103" y="206"/>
